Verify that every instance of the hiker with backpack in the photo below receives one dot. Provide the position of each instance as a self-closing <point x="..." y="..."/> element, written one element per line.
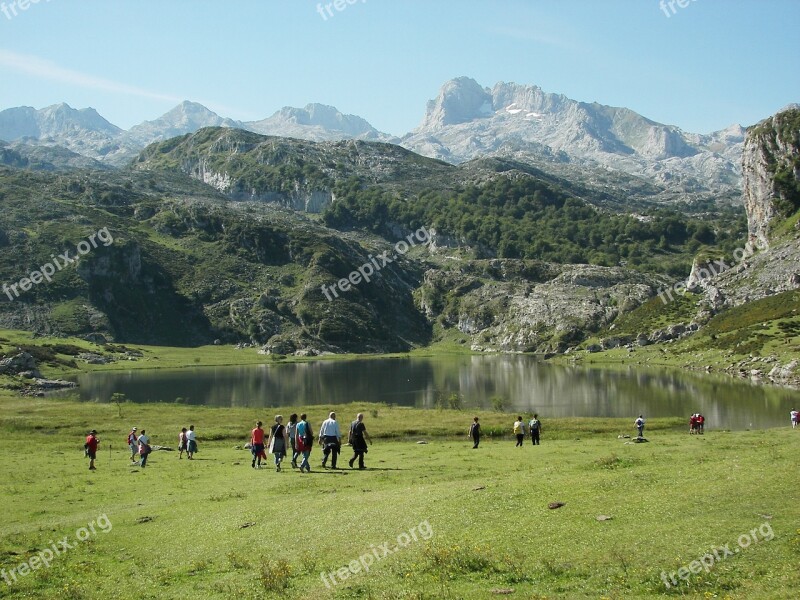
<point x="519" y="431"/>
<point x="131" y="441"/>
<point x="535" y="427"/>
<point x="639" y="425"/>
<point x="358" y="440"/>
<point x="90" y="448"/>
<point x="304" y="439"/>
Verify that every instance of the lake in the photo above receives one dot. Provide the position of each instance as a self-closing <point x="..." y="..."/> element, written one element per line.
<point x="525" y="383"/>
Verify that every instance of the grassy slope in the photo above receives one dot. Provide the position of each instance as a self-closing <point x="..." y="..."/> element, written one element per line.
<point x="766" y="327"/>
<point x="671" y="500"/>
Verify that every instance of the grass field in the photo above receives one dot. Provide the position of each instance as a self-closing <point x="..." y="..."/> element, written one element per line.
<point x="215" y="528"/>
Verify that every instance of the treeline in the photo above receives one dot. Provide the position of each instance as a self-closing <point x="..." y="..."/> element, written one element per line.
<point x="527" y="218"/>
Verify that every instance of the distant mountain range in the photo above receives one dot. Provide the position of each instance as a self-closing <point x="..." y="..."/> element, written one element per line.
<point x="464" y="122"/>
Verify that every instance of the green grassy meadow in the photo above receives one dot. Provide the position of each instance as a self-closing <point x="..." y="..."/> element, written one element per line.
<point x="216" y="528"/>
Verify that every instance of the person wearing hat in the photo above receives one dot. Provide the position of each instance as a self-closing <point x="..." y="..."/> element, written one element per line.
<point x="132" y="444"/>
<point x="257" y="445"/>
<point x="91" y="448"/>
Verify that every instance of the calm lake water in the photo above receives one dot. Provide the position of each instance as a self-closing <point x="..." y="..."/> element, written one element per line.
<point x="525" y="383"/>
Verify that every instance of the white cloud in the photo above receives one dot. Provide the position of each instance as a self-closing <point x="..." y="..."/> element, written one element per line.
<point x="50" y="71"/>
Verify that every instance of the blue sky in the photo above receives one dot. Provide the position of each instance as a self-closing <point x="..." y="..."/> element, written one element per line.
<point x="705" y="66"/>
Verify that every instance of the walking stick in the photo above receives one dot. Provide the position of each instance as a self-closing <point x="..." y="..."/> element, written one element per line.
<point x="109" y="455"/>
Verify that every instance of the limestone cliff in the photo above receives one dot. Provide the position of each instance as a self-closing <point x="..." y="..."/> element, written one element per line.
<point x="771" y="169"/>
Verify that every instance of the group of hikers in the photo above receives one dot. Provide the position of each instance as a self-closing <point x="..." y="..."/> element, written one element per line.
<point x="297" y="437"/>
<point x="697" y="423"/>
<point x="534" y="428"/>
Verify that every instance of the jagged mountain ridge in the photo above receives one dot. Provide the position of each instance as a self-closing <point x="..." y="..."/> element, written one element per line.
<point x="86" y="132"/>
<point x="317" y="123"/>
<point x="466" y="121"/>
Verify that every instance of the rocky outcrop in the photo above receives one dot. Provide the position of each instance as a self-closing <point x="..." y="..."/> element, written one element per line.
<point x="770" y="160"/>
<point x="524" y="306"/>
<point x="771" y="167"/>
<point x="20" y="364"/>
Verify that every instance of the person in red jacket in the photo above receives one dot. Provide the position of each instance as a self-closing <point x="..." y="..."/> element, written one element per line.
<point x="91" y="448"/>
<point x="257" y="445"/>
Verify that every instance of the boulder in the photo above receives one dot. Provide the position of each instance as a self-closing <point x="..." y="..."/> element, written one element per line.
<point x="20" y="363"/>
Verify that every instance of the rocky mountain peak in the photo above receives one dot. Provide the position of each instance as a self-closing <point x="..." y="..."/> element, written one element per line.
<point x="459" y="101"/>
<point x="52" y="122"/>
<point x="187" y="117"/>
<point x="316" y="122"/>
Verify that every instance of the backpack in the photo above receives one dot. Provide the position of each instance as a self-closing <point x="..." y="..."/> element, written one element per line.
<point x="517" y="427"/>
<point x="535" y="425"/>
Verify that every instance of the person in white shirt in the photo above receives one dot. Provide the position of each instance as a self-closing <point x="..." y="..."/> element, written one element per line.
<point x="144" y="448"/>
<point x="191" y="442"/>
<point x="795" y="416"/>
<point x="331" y="439"/>
<point x="519" y="430"/>
<point x="132" y="444"/>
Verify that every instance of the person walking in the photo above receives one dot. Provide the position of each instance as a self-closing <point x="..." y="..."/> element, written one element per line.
<point x="475" y="433"/>
<point x="191" y="443"/>
<point x="132" y="444"/>
<point x="358" y="440"/>
<point x="278" y="441"/>
<point x="257" y="445"/>
<point x="701" y="424"/>
<point x="291" y="427"/>
<point x="182" y="442"/>
<point x="304" y="439"/>
<point x="144" y="448"/>
<point x="331" y="439"/>
<point x="519" y="430"/>
<point x="640" y="425"/>
<point x="535" y="427"/>
<point x="795" y="418"/>
<point x="92" y="441"/>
